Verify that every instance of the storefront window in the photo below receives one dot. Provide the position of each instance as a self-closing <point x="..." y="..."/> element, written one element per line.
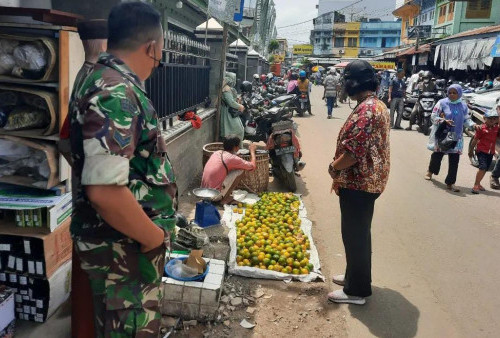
<point x="442" y="14"/>
<point x="478" y="9"/>
<point x="352" y="42"/>
<point x="451" y="11"/>
<point x="339" y="42"/>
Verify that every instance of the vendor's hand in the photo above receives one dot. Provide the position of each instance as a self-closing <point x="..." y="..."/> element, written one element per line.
<point x="449" y="122"/>
<point x="476" y="127"/>
<point x="159" y="239"/>
<point x="241" y="108"/>
<point x="389" y="100"/>
<point x="252" y="147"/>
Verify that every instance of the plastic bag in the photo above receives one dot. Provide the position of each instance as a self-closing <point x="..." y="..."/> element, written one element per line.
<point x="30" y="56"/>
<point x="7" y="64"/>
<point x="7" y="46"/>
<point x="8" y="98"/>
<point x="26" y="117"/>
<point x="180" y="270"/>
<point x="33" y="163"/>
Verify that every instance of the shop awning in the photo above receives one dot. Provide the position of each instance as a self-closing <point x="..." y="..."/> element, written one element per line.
<point x="390" y="54"/>
<point x="341" y="65"/>
<point x="421" y="49"/>
<point x="473" y="53"/>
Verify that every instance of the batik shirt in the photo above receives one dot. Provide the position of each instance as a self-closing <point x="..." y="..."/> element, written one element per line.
<point x="115" y="140"/>
<point x="365" y="136"/>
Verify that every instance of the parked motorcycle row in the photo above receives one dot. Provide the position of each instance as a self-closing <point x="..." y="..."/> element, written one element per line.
<point x="268" y="118"/>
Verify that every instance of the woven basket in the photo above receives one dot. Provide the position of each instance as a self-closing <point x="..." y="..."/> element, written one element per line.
<point x="209" y="149"/>
<point x="257" y="180"/>
<point x="253" y="181"/>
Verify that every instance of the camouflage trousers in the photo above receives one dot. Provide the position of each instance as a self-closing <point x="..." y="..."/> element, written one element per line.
<point x="125" y="285"/>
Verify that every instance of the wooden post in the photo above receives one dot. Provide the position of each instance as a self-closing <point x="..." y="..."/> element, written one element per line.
<point x="222" y="72"/>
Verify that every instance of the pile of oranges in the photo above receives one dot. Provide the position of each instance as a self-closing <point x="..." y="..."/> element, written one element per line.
<point x="269" y="236"/>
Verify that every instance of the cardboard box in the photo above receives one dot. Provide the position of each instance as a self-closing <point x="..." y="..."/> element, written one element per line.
<point x="7" y="313"/>
<point x="41" y="253"/>
<point x="42" y="212"/>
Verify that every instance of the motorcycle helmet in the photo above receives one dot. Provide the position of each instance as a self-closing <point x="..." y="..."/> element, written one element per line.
<point x="302" y="74"/>
<point x="427" y="75"/>
<point x="263" y="77"/>
<point x="246" y="87"/>
<point x="256" y="77"/>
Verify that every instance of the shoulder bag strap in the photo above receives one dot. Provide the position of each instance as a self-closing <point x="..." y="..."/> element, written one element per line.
<point x="224" y="163"/>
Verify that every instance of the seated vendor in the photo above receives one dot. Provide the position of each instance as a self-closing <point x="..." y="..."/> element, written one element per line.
<point x="225" y="169"/>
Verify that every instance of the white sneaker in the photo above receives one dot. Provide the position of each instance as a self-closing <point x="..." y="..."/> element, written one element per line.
<point x="339" y="280"/>
<point x="338" y="296"/>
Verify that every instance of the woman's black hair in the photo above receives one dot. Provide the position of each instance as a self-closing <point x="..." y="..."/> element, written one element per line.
<point x="230" y="142"/>
<point x="354" y="86"/>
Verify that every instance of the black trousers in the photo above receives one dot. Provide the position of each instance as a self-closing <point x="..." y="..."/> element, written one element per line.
<point x="435" y="166"/>
<point x="357" y="212"/>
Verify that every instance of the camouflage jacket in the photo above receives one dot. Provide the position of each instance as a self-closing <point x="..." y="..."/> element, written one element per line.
<point x="115" y="140"/>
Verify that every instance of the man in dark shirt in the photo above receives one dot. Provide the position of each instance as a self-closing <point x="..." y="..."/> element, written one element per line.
<point x="397" y="88"/>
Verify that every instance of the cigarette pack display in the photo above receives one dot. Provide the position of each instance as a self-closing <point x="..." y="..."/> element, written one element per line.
<point x="36" y="254"/>
<point x="7" y="314"/>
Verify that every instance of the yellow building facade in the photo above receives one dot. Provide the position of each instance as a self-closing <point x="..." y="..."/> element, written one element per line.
<point x="407" y="13"/>
<point x="346" y="39"/>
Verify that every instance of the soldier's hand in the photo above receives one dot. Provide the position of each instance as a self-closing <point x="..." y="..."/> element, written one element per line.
<point x="158" y="241"/>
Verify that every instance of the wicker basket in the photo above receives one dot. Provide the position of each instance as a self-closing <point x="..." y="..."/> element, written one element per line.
<point x="253" y="181"/>
<point x="209" y="149"/>
<point x="257" y="180"/>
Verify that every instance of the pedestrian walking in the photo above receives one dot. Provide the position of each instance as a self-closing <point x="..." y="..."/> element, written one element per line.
<point x="449" y="116"/>
<point x="485" y="140"/>
<point x="397" y="88"/>
<point x="360" y="171"/>
<point x="124" y="187"/>
<point x="330" y="92"/>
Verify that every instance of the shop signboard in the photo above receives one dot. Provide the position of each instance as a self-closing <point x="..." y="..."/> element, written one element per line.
<point x="419" y="31"/>
<point x="302" y="49"/>
<point x="225" y="10"/>
<point x="382" y="65"/>
<point x="495" y="51"/>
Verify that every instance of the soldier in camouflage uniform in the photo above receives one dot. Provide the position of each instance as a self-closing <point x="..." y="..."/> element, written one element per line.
<point x="124" y="187"/>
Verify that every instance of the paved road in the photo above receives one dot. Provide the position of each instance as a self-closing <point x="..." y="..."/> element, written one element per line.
<point x="435" y="253"/>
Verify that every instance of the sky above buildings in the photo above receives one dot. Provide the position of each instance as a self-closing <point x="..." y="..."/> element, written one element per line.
<point x="293" y="12"/>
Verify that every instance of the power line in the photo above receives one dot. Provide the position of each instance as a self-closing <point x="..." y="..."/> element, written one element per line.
<point x="295" y="24"/>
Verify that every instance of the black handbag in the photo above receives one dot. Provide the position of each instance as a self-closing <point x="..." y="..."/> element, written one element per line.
<point x="446" y="137"/>
<point x="234" y="112"/>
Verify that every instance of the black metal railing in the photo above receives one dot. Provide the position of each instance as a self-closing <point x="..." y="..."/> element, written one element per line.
<point x="183" y="83"/>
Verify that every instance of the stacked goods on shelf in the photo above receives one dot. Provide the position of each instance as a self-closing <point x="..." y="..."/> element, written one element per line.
<point x="7" y="314"/>
<point x="36" y="266"/>
<point x="38" y="64"/>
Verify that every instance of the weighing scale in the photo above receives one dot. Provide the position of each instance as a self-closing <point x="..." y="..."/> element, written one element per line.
<point x="206" y="213"/>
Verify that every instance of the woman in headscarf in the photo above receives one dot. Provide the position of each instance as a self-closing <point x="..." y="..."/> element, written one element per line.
<point x="455" y="114"/>
<point x="229" y="124"/>
<point x="360" y="172"/>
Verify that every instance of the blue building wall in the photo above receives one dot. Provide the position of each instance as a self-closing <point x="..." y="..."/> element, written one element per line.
<point x="375" y="37"/>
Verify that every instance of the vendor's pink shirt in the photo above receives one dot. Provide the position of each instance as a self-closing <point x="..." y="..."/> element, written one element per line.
<point x="214" y="173"/>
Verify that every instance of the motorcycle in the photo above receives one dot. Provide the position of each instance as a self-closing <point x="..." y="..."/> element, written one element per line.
<point x="426" y="102"/>
<point x="409" y="102"/>
<point x="301" y="104"/>
<point x="284" y="153"/>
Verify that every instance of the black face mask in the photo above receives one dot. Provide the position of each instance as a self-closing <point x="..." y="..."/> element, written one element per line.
<point x="161" y="64"/>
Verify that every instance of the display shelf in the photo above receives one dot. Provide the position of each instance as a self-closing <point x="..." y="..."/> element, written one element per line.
<point x="54" y="85"/>
<point x="30" y="133"/>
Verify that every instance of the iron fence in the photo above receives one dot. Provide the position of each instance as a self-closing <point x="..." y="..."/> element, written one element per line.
<point x="183" y="83"/>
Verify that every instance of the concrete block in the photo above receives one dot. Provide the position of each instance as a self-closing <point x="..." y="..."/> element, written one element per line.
<point x="170" y="308"/>
<point x="208" y="312"/>
<point x="213" y="279"/>
<point x="217" y="269"/>
<point x="172" y="292"/>
<point x="210" y="297"/>
<point x="191" y="294"/>
<point x="190" y="311"/>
